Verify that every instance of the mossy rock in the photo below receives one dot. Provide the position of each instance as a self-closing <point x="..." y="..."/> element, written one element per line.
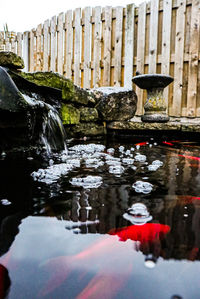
<point x="11" y="60"/>
<point x="69" y="114"/>
<point x="88" y="114"/>
<point x="70" y="92"/>
<point x="86" y="129"/>
<point x="49" y="79"/>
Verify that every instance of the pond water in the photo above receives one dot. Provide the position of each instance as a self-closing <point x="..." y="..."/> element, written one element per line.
<point x="105" y="219"/>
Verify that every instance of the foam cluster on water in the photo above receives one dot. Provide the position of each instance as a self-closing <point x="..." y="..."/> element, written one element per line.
<point x="88" y="182"/>
<point x="142" y="187"/>
<point x="87" y="148"/>
<point x="155" y="165"/>
<point x="140" y="158"/>
<point x="53" y="173"/>
<point x="116" y="169"/>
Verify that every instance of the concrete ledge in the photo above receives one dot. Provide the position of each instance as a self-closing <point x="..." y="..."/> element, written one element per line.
<point x="174" y="124"/>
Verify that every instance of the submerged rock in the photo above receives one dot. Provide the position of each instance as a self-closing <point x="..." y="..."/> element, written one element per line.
<point x="116" y="103"/>
<point x="11" y="60"/>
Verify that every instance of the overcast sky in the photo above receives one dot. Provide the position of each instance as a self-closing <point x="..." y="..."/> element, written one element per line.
<point x="22" y="15"/>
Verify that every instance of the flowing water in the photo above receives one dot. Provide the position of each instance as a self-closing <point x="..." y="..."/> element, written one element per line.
<point x="102" y="220"/>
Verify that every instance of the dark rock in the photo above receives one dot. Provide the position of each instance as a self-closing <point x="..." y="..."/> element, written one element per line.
<point x="50" y="95"/>
<point x="11" y="60"/>
<point x="86" y="129"/>
<point x="88" y="114"/>
<point x="115" y="103"/>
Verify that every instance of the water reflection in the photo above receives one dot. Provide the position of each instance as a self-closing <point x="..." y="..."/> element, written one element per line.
<point x="111" y="220"/>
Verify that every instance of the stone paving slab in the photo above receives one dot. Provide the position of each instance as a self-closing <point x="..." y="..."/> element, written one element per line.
<point x="181" y="124"/>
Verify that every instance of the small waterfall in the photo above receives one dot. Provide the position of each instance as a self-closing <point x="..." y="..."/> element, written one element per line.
<point x="52" y="135"/>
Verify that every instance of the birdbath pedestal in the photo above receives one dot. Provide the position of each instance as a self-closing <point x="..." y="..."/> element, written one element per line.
<point x="155" y="109"/>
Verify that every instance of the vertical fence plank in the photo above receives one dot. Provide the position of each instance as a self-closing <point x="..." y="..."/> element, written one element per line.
<point x="46" y="46"/>
<point x="13" y="42"/>
<point x="1" y="40"/>
<point x="97" y="46"/>
<point x="140" y="52"/>
<point x="87" y="47"/>
<point x="38" y="47"/>
<point x="25" y="53"/>
<point x="68" y="45"/>
<point x="179" y="58"/>
<point x="129" y="45"/>
<point x="19" y="44"/>
<point x="7" y="42"/>
<point x="153" y="36"/>
<point x="193" y="59"/>
<point x="77" y="46"/>
<point x="53" y="45"/>
<point x="107" y="46"/>
<point x="166" y="34"/>
<point x="60" y="44"/>
<point x="118" y="47"/>
<point x="31" y="50"/>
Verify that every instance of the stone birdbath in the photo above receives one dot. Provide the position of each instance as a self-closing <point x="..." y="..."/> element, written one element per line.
<point x="155" y="107"/>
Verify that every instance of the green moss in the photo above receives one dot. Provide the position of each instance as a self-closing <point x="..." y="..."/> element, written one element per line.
<point x="70" y="115"/>
<point x="88" y="114"/>
<point x="49" y="79"/>
<point x="11" y="60"/>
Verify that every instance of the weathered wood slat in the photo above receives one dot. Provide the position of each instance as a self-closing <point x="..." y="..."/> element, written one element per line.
<point x="118" y="46"/>
<point x="140" y="52"/>
<point x="46" y="46"/>
<point x="53" y="44"/>
<point x="60" y="44"/>
<point x="25" y="53"/>
<point x="31" y="56"/>
<point x="19" y="44"/>
<point x="7" y="42"/>
<point x="107" y="45"/>
<point x="166" y="34"/>
<point x="77" y="46"/>
<point x="96" y="13"/>
<point x="38" y="48"/>
<point x="193" y="59"/>
<point x="87" y="47"/>
<point x="153" y="36"/>
<point x="179" y="54"/>
<point x="68" y="44"/>
<point x="1" y="41"/>
<point x="129" y="45"/>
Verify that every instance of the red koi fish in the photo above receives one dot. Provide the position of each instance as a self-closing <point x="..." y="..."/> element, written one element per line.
<point x="168" y="143"/>
<point x="142" y="143"/>
<point x="190" y="157"/>
<point x="143" y="233"/>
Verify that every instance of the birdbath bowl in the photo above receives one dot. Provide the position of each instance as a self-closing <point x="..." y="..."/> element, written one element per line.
<point x="155" y="107"/>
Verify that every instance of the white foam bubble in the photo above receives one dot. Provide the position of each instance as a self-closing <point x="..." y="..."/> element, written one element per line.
<point x="142" y="187"/>
<point x="88" y="182"/>
<point x="140" y="158"/>
<point x="116" y="169"/>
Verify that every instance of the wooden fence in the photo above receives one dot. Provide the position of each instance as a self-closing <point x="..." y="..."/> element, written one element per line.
<point x="105" y="46"/>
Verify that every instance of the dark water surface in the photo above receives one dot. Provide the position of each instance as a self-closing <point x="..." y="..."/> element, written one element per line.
<point x="70" y="227"/>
